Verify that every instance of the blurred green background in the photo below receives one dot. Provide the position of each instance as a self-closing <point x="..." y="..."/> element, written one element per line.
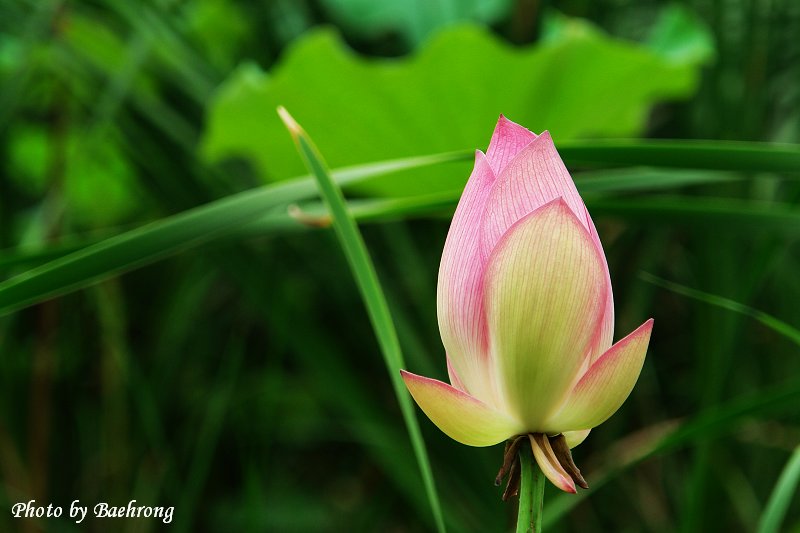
<point x="222" y="361"/>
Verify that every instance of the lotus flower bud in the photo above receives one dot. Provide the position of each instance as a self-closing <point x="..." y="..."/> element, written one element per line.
<point x="526" y="310"/>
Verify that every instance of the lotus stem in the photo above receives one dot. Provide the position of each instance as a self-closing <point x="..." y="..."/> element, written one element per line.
<point x="531" y="493"/>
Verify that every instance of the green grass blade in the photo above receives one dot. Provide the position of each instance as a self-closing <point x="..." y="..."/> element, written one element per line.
<point x="22" y="256"/>
<point x="781" y="495"/>
<point x="162" y="238"/>
<point x="596" y="182"/>
<point x="367" y="280"/>
<point x="173" y="234"/>
<point x="726" y="213"/>
<point x="647" y="179"/>
<point x="385" y="209"/>
<point x="717" y="155"/>
<point x="736" y="156"/>
<point x="143" y="245"/>
<point x="775" y="324"/>
<point x="248" y="213"/>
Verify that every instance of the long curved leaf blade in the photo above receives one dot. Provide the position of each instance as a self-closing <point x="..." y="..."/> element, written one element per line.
<point x="773" y="323"/>
<point x="375" y="300"/>
<point x="717" y="155"/>
<point x="781" y="495"/>
<point x="173" y="234"/>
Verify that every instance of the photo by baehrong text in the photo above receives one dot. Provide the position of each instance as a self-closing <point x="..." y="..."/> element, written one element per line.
<point x="78" y="512"/>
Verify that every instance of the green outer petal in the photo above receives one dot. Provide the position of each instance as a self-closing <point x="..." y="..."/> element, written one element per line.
<point x="545" y="293"/>
<point x="606" y="384"/>
<point x="460" y="416"/>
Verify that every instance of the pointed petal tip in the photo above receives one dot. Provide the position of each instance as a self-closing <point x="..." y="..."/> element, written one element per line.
<point x="508" y="138"/>
<point x="459" y="415"/>
<point x="561" y="205"/>
<point x="557" y="203"/>
<point x="544" y="143"/>
<point x="566" y="484"/>
<point x="527" y="177"/>
<point x="504" y="123"/>
<point x="643" y="330"/>
<point x="483" y="167"/>
<point x="607" y="383"/>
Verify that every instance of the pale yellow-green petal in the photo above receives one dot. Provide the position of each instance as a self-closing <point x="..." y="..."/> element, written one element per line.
<point x="459" y="415"/>
<point x="606" y="384"/>
<point x="545" y="291"/>
<point x="576" y="437"/>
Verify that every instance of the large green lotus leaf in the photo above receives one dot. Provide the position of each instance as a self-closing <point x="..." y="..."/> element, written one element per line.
<point x="681" y="36"/>
<point x="447" y="97"/>
<point x="412" y="20"/>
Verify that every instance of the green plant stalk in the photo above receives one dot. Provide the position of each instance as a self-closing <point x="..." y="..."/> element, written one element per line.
<point x="781" y="497"/>
<point x="531" y="494"/>
<point x="538" y="497"/>
<point x="378" y="309"/>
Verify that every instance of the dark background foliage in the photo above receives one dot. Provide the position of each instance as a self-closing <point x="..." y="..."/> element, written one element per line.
<point x="239" y="379"/>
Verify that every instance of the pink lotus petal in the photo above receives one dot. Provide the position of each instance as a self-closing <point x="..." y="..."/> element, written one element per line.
<point x="460" y="289"/>
<point x="459" y="415"/>
<point x="535" y="176"/>
<point x="507" y="140"/>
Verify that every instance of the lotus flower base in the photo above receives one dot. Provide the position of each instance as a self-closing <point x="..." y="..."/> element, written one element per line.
<point x="553" y="450"/>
